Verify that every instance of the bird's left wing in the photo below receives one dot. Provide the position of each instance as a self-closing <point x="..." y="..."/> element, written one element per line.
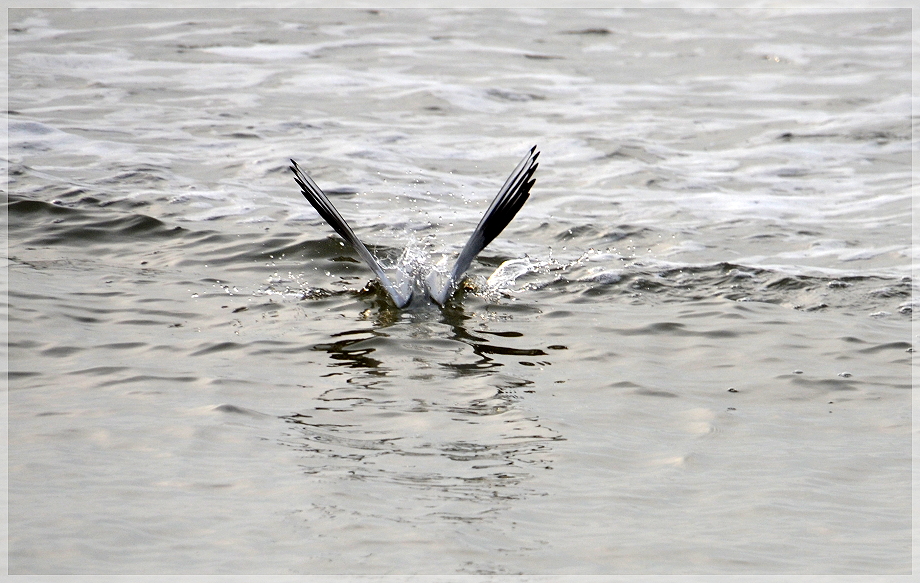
<point x="323" y="206"/>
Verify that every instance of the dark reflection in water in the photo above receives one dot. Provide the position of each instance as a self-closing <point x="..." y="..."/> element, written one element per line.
<point x="351" y="349"/>
<point x="481" y="345"/>
<point x="346" y="353"/>
<point x="423" y="406"/>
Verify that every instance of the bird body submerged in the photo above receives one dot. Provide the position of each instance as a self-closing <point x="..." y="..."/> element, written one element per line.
<point x="509" y="200"/>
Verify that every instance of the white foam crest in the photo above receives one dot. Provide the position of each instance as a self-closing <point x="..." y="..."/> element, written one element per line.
<point x="507" y="273"/>
<point x="503" y="280"/>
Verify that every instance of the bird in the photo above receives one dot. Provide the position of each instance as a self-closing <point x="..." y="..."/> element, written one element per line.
<point x="509" y="200"/>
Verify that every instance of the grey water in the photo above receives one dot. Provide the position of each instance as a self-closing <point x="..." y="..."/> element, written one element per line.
<point x="689" y="353"/>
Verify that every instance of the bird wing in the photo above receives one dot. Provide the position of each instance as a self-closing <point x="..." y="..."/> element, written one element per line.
<point x="506" y="204"/>
<point x="323" y="206"/>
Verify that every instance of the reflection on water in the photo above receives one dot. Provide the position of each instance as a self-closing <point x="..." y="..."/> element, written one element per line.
<point x="353" y="348"/>
<point x="473" y="441"/>
<point x="345" y="353"/>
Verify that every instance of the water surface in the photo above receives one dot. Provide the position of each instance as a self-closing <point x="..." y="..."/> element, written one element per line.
<point x="689" y="353"/>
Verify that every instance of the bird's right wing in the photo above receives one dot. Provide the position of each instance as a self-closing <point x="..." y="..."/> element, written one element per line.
<point x="506" y="204"/>
<point x="323" y="206"/>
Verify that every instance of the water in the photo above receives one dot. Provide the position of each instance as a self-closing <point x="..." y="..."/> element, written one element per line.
<point x="689" y="353"/>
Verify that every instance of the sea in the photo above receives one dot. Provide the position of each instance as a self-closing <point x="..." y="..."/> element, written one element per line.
<point x="689" y="354"/>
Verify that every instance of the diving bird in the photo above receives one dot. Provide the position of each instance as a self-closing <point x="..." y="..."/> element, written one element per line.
<point x="506" y="204"/>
